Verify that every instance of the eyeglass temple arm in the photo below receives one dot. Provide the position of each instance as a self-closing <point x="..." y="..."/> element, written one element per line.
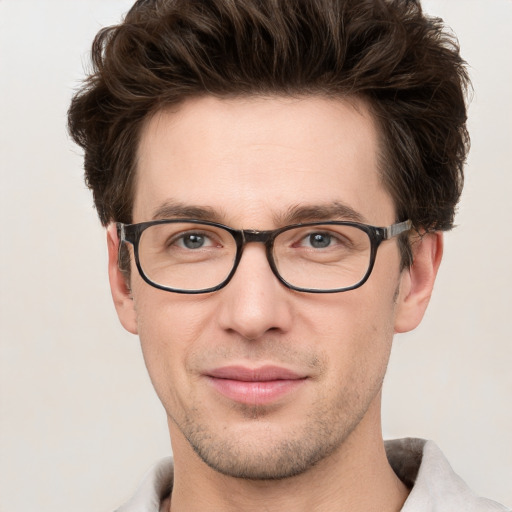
<point x="120" y="231"/>
<point x="397" y="229"/>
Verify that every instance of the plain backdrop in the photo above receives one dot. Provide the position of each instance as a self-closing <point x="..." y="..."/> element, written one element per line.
<point x="79" y="422"/>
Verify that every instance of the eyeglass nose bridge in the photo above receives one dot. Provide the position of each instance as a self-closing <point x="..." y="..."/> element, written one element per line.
<point x="253" y="235"/>
<point x="266" y="238"/>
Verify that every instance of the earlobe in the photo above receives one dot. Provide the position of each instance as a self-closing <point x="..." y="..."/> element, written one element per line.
<point x="418" y="281"/>
<point x="121" y="293"/>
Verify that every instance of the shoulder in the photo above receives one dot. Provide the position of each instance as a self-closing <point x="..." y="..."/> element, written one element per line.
<point x="435" y="486"/>
<point x="155" y="487"/>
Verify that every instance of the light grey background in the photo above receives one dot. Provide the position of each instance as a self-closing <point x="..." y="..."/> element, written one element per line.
<point x="79" y="422"/>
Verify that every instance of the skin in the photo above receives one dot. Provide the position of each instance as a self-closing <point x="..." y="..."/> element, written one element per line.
<point x="318" y="447"/>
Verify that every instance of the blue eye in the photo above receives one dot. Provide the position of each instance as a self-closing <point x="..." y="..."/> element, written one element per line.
<point x="193" y="241"/>
<point x="319" y="240"/>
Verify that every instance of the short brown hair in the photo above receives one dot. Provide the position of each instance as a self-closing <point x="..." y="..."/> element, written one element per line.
<point x="403" y="63"/>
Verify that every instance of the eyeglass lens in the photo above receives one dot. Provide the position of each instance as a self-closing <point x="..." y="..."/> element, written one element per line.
<point x="191" y="256"/>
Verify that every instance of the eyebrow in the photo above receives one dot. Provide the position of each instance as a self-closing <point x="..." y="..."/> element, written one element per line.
<point x="174" y="209"/>
<point x="312" y="213"/>
<point x="293" y="215"/>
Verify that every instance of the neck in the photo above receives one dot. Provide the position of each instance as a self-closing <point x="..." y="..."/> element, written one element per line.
<point x="356" y="478"/>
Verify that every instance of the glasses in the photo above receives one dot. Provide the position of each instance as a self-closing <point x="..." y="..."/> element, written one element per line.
<point x="192" y="256"/>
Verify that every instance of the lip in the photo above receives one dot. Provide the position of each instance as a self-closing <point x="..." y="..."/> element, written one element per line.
<point x="254" y="386"/>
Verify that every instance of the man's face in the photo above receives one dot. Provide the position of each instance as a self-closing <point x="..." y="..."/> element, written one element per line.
<point x="316" y="361"/>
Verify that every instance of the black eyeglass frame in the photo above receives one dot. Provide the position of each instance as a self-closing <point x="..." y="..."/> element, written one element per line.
<point x="131" y="233"/>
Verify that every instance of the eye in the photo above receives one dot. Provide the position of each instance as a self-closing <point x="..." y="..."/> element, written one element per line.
<point x="192" y="241"/>
<point x="318" y="240"/>
<point x="321" y="240"/>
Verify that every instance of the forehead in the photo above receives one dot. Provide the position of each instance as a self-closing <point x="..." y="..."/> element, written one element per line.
<point x="250" y="159"/>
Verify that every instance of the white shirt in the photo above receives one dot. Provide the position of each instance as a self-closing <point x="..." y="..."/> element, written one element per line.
<point x="418" y="463"/>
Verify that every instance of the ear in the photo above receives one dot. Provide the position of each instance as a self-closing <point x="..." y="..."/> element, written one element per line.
<point x="417" y="282"/>
<point x="121" y="293"/>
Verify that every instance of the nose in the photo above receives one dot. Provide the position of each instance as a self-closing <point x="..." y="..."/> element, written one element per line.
<point x="254" y="302"/>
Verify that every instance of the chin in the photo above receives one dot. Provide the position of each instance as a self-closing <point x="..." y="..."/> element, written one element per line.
<point x="269" y="454"/>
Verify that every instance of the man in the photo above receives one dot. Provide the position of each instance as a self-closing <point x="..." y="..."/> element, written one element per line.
<point x="275" y="177"/>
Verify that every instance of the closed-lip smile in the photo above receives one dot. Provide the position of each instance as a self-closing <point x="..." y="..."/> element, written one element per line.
<point x="256" y="386"/>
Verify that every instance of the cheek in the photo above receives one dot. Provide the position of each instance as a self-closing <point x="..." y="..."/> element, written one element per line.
<point x="366" y="312"/>
<point x="169" y="327"/>
<point x="354" y="332"/>
<point x="165" y="319"/>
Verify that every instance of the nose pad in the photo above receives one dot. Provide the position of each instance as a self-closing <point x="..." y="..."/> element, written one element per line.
<point x="254" y="302"/>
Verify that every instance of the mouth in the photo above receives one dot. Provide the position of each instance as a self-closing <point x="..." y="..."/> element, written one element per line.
<point x="254" y="386"/>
